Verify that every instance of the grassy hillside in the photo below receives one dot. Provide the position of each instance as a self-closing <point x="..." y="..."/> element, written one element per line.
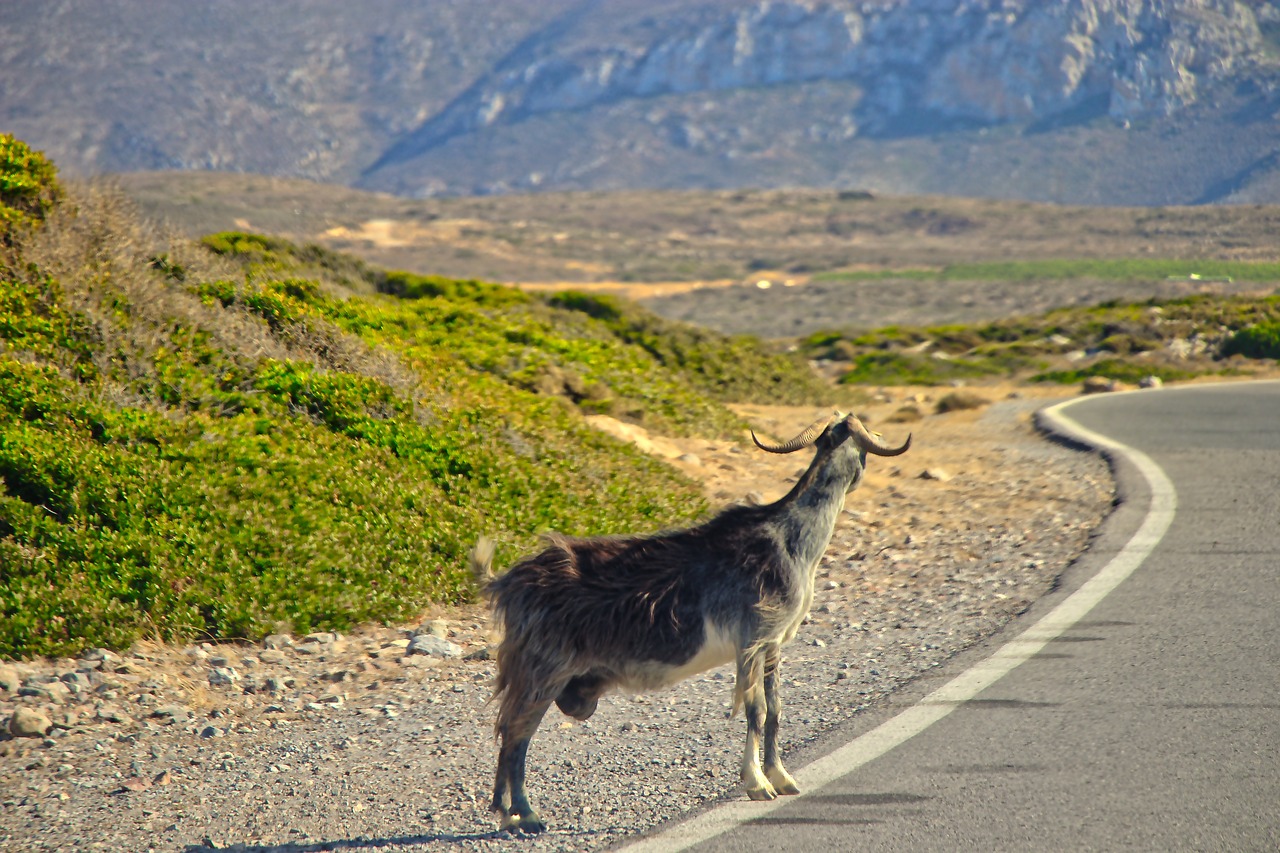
<point x="220" y="440"/>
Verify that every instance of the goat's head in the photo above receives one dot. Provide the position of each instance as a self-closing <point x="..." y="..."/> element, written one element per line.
<point x="831" y="432"/>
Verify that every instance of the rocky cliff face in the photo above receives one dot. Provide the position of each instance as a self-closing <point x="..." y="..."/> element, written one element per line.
<point x="983" y="61"/>
<point x="452" y="96"/>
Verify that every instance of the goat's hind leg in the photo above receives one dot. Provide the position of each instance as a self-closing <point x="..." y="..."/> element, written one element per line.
<point x="750" y="689"/>
<point x="773" y="769"/>
<point x="510" y="800"/>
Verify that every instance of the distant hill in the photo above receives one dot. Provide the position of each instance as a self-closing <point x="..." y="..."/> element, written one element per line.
<point x="1088" y="101"/>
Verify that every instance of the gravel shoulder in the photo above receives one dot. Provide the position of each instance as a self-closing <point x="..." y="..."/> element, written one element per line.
<point x="383" y="739"/>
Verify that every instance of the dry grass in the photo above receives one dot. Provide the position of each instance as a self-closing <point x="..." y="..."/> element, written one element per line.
<point x="103" y="252"/>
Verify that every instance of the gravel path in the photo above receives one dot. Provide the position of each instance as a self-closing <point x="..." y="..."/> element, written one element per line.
<point x="383" y="739"/>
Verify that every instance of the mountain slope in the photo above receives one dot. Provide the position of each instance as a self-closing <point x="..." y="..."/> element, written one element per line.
<point x="1091" y="101"/>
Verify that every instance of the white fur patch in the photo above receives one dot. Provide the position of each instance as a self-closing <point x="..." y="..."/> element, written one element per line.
<point x="718" y="648"/>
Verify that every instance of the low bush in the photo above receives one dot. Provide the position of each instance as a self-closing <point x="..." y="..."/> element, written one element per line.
<point x="959" y="401"/>
<point x="1258" y="341"/>
<point x="29" y="185"/>
<point x="1114" y="368"/>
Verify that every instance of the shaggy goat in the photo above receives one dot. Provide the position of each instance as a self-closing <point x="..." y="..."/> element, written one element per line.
<point x="642" y="612"/>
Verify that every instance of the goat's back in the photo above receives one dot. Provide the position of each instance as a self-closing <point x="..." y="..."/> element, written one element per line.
<point x="615" y="598"/>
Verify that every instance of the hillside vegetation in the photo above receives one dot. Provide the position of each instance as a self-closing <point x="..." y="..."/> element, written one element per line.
<point x="219" y="440"/>
<point x="1168" y="339"/>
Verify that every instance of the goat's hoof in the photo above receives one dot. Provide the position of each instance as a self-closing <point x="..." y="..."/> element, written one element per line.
<point x="781" y="781"/>
<point x="529" y="823"/>
<point x="763" y="792"/>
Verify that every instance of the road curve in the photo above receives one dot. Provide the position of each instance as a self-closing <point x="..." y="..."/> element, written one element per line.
<point x="1140" y="710"/>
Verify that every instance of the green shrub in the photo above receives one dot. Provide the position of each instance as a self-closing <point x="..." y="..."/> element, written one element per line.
<point x="29" y="185"/>
<point x="412" y="286"/>
<point x="1113" y="368"/>
<point x="1258" y="341"/>
<point x="735" y="369"/>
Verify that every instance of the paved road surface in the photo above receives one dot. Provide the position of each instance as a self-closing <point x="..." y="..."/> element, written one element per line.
<point x="1152" y="723"/>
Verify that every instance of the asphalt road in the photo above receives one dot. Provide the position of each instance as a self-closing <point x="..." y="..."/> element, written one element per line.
<point x="1141" y="709"/>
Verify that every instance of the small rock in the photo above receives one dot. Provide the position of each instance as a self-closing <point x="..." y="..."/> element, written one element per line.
<point x="211" y="732"/>
<point x="435" y="627"/>
<point x="103" y="655"/>
<point x="111" y="714"/>
<point x="174" y="714"/>
<point x="164" y="777"/>
<point x="483" y="653"/>
<point x="9" y="680"/>
<point x="52" y="691"/>
<point x="135" y="784"/>
<point x="432" y="646"/>
<point x="935" y="474"/>
<point x="77" y="682"/>
<point x="1098" y="385"/>
<point x="324" y="638"/>
<point x="273" y="656"/>
<point x="276" y="642"/>
<point x="275" y="685"/>
<point x="67" y="719"/>
<point x="221" y="675"/>
<point x="27" y="722"/>
<point x="689" y="459"/>
<point x="1150" y="382"/>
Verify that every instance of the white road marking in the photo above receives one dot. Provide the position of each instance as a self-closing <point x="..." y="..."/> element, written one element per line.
<point x="967" y="685"/>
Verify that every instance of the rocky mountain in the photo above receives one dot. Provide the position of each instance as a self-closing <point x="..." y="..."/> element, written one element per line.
<point x="1095" y="101"/>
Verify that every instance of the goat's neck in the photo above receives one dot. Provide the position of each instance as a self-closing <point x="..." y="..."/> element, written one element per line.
<point x="808" y="513"/>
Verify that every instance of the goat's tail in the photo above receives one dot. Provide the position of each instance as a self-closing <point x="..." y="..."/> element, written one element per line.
<point x="482" y="562"/>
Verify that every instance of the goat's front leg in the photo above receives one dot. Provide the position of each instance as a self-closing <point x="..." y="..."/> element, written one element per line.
<point x="773" y="769"/>
<point x="750" y="689"/>
<point x="510" y="799"/>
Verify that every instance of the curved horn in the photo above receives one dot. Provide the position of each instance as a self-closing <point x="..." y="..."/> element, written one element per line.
<point x="804" y="439"/>
<point x="871" y="443"/>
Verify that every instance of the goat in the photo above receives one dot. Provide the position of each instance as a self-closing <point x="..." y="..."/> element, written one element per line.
<point x="640" y="613"/>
